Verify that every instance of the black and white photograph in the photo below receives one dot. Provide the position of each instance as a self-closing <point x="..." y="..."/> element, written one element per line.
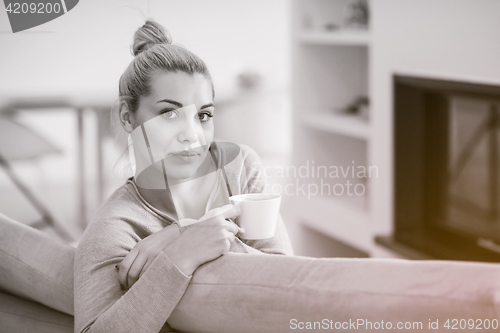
<point x="221" y="166"/>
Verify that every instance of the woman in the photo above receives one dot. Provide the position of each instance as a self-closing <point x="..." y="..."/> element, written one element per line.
<point x="137" y="257"/>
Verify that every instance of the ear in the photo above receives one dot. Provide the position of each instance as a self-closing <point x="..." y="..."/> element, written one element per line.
<point x="126" y="117"/>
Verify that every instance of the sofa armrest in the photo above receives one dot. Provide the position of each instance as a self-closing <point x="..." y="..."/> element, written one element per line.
<point x="273" y="293"/>
<point x="36" y="267"/>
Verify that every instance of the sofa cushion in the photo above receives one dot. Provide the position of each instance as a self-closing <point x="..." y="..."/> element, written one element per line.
<point x="36" y="267"/>
<point x="23" y="316"/>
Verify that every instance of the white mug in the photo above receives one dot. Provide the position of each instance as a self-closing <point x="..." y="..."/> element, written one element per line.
<point x="258" y="214"/>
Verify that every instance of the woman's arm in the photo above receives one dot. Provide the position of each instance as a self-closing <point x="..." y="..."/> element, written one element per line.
<point x="101" y="305"/>
<point x="151" y="292"/>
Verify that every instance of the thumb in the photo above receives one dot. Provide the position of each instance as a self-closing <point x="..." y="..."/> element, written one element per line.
<point x="231" y="212"/>
<point x="226" y="209"/>
<point x="186" y="222"/>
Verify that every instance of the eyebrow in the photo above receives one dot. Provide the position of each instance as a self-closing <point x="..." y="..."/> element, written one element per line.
<point x="180" y="104"/>
<point x="206" y="106"/>
<point x="171" y="102"/>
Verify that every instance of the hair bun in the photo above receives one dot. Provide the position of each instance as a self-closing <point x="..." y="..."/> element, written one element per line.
<point x="150" y="34"/>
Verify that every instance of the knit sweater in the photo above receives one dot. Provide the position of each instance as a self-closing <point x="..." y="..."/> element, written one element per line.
<point x="125" y="219"/>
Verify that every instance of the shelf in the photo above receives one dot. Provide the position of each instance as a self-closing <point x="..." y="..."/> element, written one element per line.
<point x="348" y="125"/>
<point x="331" y="69"/>
<point x="346" y="37"/>
<point x="338" y="219"/>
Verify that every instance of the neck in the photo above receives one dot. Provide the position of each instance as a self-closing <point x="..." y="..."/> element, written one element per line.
<point x="159" y="199"/>
<point x="157" y="191"/>
<point x="153" y="187"/>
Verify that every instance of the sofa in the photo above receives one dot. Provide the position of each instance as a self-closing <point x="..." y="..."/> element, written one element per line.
<point x="270" y="293"/>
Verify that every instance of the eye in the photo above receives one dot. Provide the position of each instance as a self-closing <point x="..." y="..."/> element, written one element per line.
<point x="205" y="116"/>
<point x="170" y="114"/>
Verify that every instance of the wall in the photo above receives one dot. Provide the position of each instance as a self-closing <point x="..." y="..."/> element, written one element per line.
<point x="450" y="39"/>
<point x="85" y="51"/>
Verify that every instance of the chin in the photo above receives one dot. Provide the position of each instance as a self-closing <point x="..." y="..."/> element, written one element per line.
<point x="184" y="172"/>
<point x="180" y="169"/>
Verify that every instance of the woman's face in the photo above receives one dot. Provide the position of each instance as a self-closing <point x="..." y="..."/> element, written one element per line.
<point x="176" y="118"/>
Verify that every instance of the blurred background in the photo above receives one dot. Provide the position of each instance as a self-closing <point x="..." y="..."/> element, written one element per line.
<point x="377" y="120"/>
<point x="64" y="76"/>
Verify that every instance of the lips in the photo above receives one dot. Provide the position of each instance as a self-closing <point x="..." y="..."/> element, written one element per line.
<point x="187" y="153"/>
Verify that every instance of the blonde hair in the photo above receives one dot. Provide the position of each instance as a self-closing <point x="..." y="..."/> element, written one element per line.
<point x="154" y="52"/>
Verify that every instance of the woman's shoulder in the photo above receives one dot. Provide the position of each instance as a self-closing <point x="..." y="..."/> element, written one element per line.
<point x="121" y="203"/>
<point x="121" y="211"/>
<point x="119" y="222"/>
<point x="249" y="155"/>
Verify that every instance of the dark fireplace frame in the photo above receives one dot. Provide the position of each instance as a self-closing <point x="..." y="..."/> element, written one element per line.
<point x="420" y="158"/>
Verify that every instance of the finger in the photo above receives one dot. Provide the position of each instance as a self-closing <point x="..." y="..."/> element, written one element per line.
<point x="145" y="268"/>
<point x="149" y="260"/>
<point x="124" y="267"/>
<point x="135" y="269"/>
<point x="215" y="212"/>
<point x="231" y="237"/>
<point x="173" y="232"/>
<point x="173" y="228"/>
<point x="232" y="213"/>
<point x="231" y="227"/>
<point x="240" y="229"/>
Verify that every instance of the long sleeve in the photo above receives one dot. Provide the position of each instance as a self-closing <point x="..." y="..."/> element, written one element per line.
<point x="100" y="304"/>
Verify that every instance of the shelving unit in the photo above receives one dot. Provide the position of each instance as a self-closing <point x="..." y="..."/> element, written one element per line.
<point x="331" y="67"/>
<point x="330" y="70"/>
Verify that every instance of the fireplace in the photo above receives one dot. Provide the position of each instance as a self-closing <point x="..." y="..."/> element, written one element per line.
<point x="447" y="168"/>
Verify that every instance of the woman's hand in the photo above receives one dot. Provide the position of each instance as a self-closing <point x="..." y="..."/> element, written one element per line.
<point x="143" y="254"/>
<point x="204" y="241"/>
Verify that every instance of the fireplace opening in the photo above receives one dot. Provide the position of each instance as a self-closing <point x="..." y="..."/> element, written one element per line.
<point x="447" y="168"/>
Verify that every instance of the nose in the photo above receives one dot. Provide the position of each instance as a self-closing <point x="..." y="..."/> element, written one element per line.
<point x="189" y="131"/>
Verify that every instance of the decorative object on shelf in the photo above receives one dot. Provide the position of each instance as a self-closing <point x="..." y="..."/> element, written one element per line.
<point x="332" y="26"/>
<point x="356" y="15"/>
<point x="358" y="107"/>
<point x="307" y="22"/>
<point x="249" y="80"/>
